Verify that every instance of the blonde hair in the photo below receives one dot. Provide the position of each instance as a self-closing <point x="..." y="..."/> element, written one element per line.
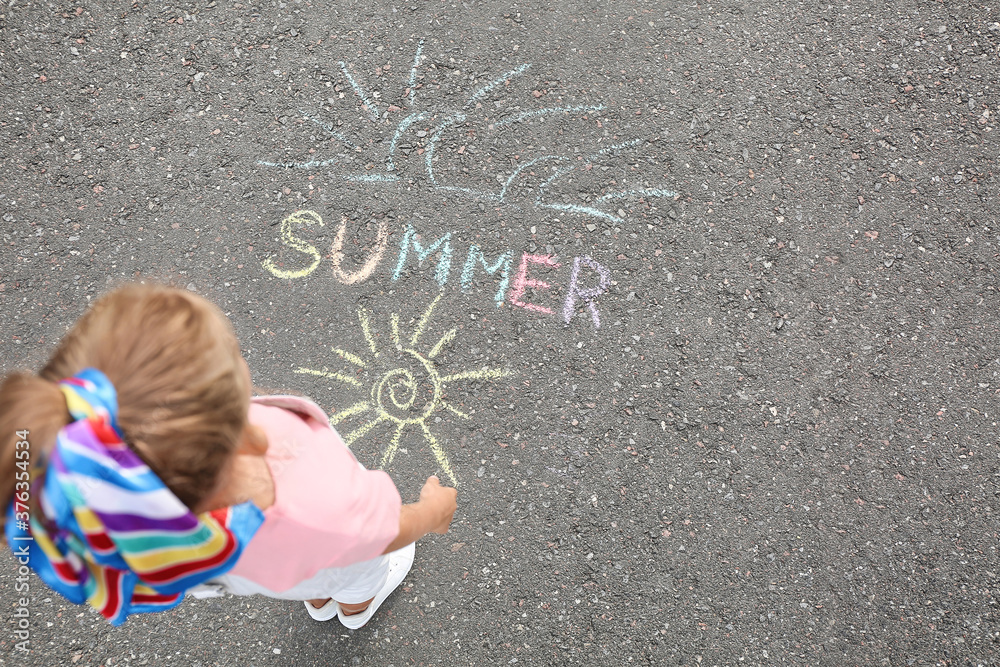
<point x="183" y="389"/>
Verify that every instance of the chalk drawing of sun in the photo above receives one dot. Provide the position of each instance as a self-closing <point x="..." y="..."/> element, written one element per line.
<point x="426" y="127"/>
<point x="408" y="387"/>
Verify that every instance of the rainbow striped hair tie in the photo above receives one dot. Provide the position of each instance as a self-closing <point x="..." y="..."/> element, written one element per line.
<point x="106" y="529"/>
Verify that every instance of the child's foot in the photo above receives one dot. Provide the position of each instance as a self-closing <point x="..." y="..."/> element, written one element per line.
<point x="400" y="562"/>
<point x="320" y="611"/>
<point x="352" y="609"/>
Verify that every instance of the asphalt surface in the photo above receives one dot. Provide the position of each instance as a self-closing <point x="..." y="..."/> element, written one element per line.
<point x="779" y="447"/>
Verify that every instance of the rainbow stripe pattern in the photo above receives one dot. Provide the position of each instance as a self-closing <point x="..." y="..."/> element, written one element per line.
<point x="106" y="530"/>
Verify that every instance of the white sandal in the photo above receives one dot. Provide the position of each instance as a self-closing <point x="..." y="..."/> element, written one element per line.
<point x="400" y="562"/>
<point x="324" y="613"/>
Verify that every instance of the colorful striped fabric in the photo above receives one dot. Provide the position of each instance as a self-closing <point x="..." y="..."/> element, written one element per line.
<point x="109" y="532"/>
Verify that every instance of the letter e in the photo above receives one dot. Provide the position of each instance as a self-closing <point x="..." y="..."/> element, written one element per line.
<point x="522" y="281"/>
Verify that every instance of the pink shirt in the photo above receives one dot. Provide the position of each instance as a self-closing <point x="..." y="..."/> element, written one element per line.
<point x="328" y="511"/>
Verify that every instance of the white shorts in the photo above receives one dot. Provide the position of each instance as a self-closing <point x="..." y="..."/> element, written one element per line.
<point x="351" y="584"/>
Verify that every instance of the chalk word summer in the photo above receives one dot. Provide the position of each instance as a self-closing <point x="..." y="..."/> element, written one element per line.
<point x="587" y="278"/>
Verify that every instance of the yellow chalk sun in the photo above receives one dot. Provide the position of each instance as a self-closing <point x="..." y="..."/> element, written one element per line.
<point x="408" y="388"/>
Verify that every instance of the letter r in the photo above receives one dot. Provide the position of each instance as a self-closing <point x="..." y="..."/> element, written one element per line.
<point x="589" y="294"/>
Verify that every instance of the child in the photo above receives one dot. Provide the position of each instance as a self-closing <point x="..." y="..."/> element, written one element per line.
<point x="137" y="466"/>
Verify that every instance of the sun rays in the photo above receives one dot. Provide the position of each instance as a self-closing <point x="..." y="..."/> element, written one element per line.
<point x="434" y="120"/>
<point x="407" y="390"/>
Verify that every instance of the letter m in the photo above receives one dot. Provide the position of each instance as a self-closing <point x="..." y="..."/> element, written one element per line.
<point x="468" y="272"/>
<point x="444" y="263"/>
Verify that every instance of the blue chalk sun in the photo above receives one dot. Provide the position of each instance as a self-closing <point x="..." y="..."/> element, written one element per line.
<point x="436" y="122"/>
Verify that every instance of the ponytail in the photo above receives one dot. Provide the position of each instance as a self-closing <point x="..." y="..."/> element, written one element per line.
<point x="32" y="409"/>
<point x="183" y="388"/>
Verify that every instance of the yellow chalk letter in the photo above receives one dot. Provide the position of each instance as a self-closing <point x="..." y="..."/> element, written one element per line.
<point x="289" y="239"/>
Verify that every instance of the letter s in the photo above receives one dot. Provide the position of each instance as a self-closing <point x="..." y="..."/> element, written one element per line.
<point x="290" y="240"/>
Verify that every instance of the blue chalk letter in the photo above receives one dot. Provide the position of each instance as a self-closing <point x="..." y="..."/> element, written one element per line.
<point x="475" y="252"/>
<point x="444" y="263"/>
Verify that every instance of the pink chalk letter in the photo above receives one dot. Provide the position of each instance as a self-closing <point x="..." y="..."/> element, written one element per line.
<point x="522" y="281"/>
<point x="588" y="294"/>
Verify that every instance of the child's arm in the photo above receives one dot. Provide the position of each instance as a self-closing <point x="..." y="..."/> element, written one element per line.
<point x="431" y="514"/>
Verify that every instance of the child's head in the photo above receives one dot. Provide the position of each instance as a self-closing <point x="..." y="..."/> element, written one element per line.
<point x="183" y="387"/>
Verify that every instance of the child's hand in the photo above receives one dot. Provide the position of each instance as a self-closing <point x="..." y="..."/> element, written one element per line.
<point x="441" y="502"/>
<point x="431" y="514"/>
